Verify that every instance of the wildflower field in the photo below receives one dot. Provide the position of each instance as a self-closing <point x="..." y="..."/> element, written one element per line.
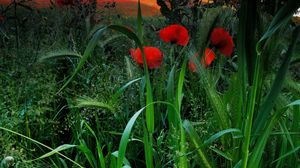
<point x="185" y="84"/>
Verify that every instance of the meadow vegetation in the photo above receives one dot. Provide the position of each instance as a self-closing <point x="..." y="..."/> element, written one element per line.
<point x="212" y="86"/>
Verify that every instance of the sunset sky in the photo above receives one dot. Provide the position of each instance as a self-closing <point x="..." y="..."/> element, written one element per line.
<point x="126" y="7"/>
<point x="47" y="2"/>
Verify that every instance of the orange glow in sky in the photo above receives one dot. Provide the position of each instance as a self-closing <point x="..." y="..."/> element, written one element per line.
<point x="46" y="3"/>
<point x="124" y="7"/>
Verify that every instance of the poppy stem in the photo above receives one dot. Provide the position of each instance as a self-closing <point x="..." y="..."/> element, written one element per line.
<point x="171" y="57"/>
<point x="182" y="50"/>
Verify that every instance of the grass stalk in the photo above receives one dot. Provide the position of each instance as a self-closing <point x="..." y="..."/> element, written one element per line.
<point x="251" y="102"/>
<point x="39" y="143"/>
<point x="179" y="95"/>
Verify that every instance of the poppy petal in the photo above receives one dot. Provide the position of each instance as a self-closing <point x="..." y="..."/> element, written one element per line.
<point x="175" y="34"/>
<point x="206" y="60"/>
<point x="222" y="40"/>
<point x="154" y="57"/>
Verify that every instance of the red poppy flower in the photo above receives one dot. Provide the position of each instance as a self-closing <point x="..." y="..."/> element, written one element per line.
<point x="206" y="60"/>
<point x="64" y="2"/>
<point x="154" y="56"/>
<point x="175" y="34"/>
<point x="222" y="41"/>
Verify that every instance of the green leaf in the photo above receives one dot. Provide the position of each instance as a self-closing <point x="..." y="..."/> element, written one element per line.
<point x="223" y="154"/>
<point x="125" y="137"/>
<point x="183" y="162"/>
<point x="179" y="93"/>
<point x="256" y="155"/>
<point x="125" y="162"/>
<point x="99" y="148"/>
<point x="295" y="103"/>
<point x="172" y="118"/>
<point x="220" y="134"/>
<point x="148" y="148"/>
<point x="294" y="151"/>
<point x="55" y="151"/>
<point x="63" y="162"/>
<point x="246" y="43"/>
<point x="149" y="96"/>
<point x="59" y="54"/>
<point x="268" y="104"/>
<point x="88" y="153"/>
<point x="283" y="15"/>
<point x="215" y="99"/>
<point x="283" y="149"/>
<point x="128" y="129"/>
<point x="87" y="53"/>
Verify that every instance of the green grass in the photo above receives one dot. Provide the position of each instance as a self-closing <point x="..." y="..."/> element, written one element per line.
<point x="71" y="96"/>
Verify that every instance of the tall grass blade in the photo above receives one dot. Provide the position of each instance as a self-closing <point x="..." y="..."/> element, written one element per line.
<point x="172" y="118"/>
<point x="268" y="104"/>
<point x="262" y="140"/>
<point x="296" y="123"/>
<point x="227" y="156"/>
<point x="59" y="54"/>
<point x="220" y="134"/>
<point x="196" y="141"/>
<point x="257" y="152"/>
<point x="90" y="47"/>
<point x="55" y="151"/>
<point x="294" y="151"/>
<point x="183" y="162"/>
<point x="148" y="139"/>
<point x="295" y="103"/>
<point x="148" y="147"/>
<point x="99" y="148"/>
<point x="246" y="44"/>
<point x="149" y="97"/>
<point x="245" y="22"/>
<point x="39" y="143"/>
<point x="87" y="53"/>
<point x="211" y="92"/>
<point x="125" y="137"/>
<point x="127" y="131"/>
<point x="63" y="163"/>
<point x="283" y="148"/>
<point x="125" y="162"/>
<point x="283" y="15"/>
<point x="88" y="153"/>
<point x="92" y="44"/>
<point x="287" y="135"/>
<point x="249" y="115"/>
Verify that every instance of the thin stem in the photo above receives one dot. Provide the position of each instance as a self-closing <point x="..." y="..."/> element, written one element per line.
<point x="250" y="111"/>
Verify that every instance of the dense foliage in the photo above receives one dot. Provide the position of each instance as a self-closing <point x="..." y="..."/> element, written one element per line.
<point x="203" y="86"/>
